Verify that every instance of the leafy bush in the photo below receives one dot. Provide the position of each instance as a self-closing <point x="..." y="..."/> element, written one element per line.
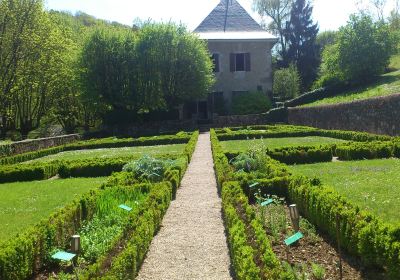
<point x="286" y="83"/>
<point x="361" y="52"/>
<point x="250" y="103"/>
<point x="148" y="168"/>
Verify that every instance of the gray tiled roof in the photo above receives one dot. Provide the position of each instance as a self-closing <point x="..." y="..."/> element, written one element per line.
<point x="238" y="19"/>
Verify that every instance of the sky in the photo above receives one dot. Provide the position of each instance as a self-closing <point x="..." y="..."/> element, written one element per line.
<point x="329" y="14"/>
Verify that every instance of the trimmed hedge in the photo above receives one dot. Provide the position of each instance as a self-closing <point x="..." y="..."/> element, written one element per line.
<point x="180" y="138"/>
<point x="374" y="241"/>
<point x="21" y="173"/>
<point x="361" y="234"/>
<point x="250" y="249"/>
<point x="370" y="150"/>
<point x="298" y="154"/>
<point x="23" y="256"/>
<point x="279" y="131"/>
<point x="29" y="252"/>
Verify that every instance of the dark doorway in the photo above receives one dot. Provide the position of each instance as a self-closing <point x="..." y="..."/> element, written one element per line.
<point x="202" y="112"/>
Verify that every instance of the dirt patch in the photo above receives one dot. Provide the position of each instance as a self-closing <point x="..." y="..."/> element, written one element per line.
<point x="316" y="251"/>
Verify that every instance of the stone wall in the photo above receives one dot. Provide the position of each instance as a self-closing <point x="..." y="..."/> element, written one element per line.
<point x="379" y="115"/>
<point x="31" y="145"/>
<point x="239" y="120"/>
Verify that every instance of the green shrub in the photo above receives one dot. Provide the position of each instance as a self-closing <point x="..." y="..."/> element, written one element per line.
<point x="370" y="150"/>
<point x="361" y="52"/>
<point x="250" y="103"/>
<point x="287" y="83"/>
<point x="148" y="168"/>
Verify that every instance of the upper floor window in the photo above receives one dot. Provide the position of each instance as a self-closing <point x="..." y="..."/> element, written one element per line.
<point x="215" y="59"/>
<point x="240" y="62"/>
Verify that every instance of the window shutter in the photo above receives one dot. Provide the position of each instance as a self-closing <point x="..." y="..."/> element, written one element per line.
<point x="247" y="62"/>
<point x="232" y="62"/>
<point x="216" y="61"/>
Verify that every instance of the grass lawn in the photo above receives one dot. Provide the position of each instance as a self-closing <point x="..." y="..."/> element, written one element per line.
<point x="386" y="85"/>
<point x="272" y="143"/>
<point x="371" y="184"/>
<point x="395" y="62"/>
<point x="26" y="203"/>
<point x="114" y="152"/>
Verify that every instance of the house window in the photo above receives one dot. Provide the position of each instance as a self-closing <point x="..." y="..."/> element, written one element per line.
<point x="215" y="60"/>
<point x="240" y="62"/>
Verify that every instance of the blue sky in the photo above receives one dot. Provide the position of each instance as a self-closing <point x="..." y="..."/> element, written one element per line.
<point x="330" y="14"/>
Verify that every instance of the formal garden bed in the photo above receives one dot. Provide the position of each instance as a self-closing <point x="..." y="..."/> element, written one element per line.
<point x="116" y="217"/>
<point x="369" y="242"/>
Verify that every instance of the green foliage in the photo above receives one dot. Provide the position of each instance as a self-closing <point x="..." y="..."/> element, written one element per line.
<point x="326" y="38"/>
<point x="373" y="185"/>
<point x="361" y="53"/>
<point x="275" y="143"/>
<point x="24" y="204"/>
<point x="99" y="144"/>
<point x="318" y="271"/>
<point x="302" y="50"/>
<point x="26" y="254"/>
<point x="251" y="251"/>
<point x="155" y="68"/>
<point x="386" y="84"/>
<point x="250" y="103"/>
<point x="371" y="150"/>
<point x="148" y="168"/>
<point x="284" y="131"/>
<point x="287" y="83"/>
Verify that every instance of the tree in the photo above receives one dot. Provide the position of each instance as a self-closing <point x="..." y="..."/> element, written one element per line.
<point x="159" y="67"/>
<point x="18" y="20"/>
<point x="279" y="12"/>
<point x="173" y="66"/>
<point x="394" y="18"/>
<point x="108" y="67"/>
<point x="301" y="34"/>
<point x="362" y="52"/>
<point x="286" y="82"/>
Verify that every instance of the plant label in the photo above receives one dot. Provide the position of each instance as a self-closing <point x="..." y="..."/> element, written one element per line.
<point x="267" y="202"/>
<point x="125" y="207"/>
<point x="294" y="238"/>
<point x="63" y="256"/>
<point x="254" y="185"/>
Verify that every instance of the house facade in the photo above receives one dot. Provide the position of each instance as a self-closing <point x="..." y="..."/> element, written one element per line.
<point x="241" y="51"/>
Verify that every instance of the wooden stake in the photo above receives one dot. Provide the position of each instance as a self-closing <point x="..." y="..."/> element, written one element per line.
<point x="338" y="245"/>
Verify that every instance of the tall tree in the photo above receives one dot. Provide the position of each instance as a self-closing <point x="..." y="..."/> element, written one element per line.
<point x="301" y="34"/>
<point x="160" y="67"/>
<point x="279" y="12"/>
<point x="18" y="20"/>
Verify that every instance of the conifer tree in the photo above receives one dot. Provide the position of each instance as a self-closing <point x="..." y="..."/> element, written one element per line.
<point x="301" y="34"/>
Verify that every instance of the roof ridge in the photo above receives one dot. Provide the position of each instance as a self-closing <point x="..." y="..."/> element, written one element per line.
<point x="228" y="19"/>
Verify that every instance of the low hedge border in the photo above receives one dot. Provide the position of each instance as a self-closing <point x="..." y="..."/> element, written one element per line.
<point x="279" y="131"/>
<point x="83" y="168"/>
<point x="180" y="138"/>
<point x="27" y="253"/>
<point x="298" y="154"/>
<point x="250" y="249"/>
<point x="362" y="234"/>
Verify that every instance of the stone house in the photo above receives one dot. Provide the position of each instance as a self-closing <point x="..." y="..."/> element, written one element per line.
<point x="241" y="51"/>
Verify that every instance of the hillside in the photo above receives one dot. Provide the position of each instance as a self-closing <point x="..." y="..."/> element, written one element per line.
<point x="387" y="84"/>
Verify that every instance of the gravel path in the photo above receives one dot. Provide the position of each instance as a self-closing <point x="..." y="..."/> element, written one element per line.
<point x="191" y="243"/>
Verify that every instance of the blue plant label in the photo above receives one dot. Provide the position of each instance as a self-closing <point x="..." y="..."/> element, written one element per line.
<point x="63" y="256"/>
<point x="294" y="238"/>
<point x="125" y="207"/>
<point x="254" y="185"/>
<point x="267" y="202"/>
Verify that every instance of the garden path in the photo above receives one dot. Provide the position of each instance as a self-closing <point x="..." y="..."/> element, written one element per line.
<point x="191" y="243"/>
